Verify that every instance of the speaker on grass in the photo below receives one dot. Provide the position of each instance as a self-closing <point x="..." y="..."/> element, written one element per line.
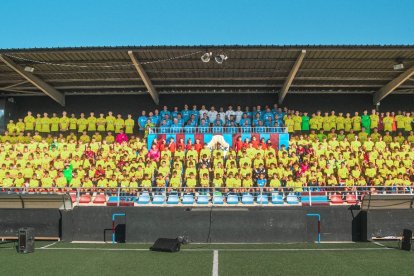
<point x="166" y="245"/>
<point x="26" y="239"/>
<point x="406" y="239"/>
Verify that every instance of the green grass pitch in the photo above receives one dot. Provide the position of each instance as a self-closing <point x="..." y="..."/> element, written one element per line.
<point x="197" y="259"/>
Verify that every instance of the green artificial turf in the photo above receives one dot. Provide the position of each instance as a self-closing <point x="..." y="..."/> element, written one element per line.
<point x="384" y="262"/>
<point x="197" y="259"/>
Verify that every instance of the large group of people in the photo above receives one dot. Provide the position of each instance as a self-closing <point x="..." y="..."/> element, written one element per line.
<point x="49" y="154"/>
<point x="255" y="119"/>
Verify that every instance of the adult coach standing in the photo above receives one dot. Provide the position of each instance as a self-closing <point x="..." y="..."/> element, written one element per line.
<point x="366" y="122"/>
<point x="142" y="120"/>
<point x="305" y="122"/>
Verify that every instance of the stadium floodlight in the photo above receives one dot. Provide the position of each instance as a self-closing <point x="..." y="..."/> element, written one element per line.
<point x="29" y="69"/>
<point x="206" y="57"/>
<point x="220" y="58"/>
<point x="399" y="65"/>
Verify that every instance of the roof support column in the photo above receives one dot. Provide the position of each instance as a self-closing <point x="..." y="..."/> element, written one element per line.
<point x="291" y="76"/>
<point x="143" y="75"/>
<point x="36" y="81"/>
<point x="392" y="85"/>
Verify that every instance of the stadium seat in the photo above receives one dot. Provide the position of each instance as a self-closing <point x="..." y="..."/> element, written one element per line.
<point x="158" y="199"/>
<point x="202" y="199"/>
<point x="351" y="199"/>
<point x="99" y="199"/>
<point x="262" y="199"/>
<point x="314" y="199"/>
<point x="336" y="199"/>
<point x="232" y="199"/>
<point x="85" y="199"/>
<point x="247" y="199"/>
<point x="277" y="198"/>
<point x="144" y="198"/>
<point x="132" y="198"/>
<point x="188" y="199"/>
<point x="173" y="199"/>
<point x="292" y="199"/>
<point x="112" y="201"/>
<point x="123" y="201"/>
<point x="126" y="203"/>
<point x="218" y="199"/>
<point x="73" y="197"/>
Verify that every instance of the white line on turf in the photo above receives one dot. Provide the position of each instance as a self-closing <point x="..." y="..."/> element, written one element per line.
<point x="48" y="245"/>
<point x="215" y="263"/>
<point x="336" y="242"/>
<point x="95" y="242"/>
<point x="228" y="249"/>
<point x="223" y="243"/>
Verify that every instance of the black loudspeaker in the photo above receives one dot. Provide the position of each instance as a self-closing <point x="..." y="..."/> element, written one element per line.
<point x="166" y="245"/>
<point x="120" y="231"/>
<point x="406" y="240"/>
<point x="26" y="240"/>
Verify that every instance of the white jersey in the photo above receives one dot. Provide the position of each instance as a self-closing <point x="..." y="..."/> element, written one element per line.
<point x="212" y="115"/>
<point x="229" y="113"/>
<point x="202" y="112"/>
<point x="222" y="116"/>
<point x="239" y="115"/>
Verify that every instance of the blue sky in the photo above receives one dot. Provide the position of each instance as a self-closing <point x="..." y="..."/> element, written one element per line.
<point x="70" y="23"/>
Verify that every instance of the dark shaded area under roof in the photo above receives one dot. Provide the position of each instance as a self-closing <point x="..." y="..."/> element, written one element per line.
<point x="179" y="69"/>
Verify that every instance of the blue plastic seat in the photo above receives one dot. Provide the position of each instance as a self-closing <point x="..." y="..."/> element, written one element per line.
<point x="173" y="199"/>
<point x="112" y="199"/>
<point x="292" y="199"/>
<point x="232" y="199"/>
<point x="144" y="198"/>
<point x="202" y="199"/>
<point x="188" y="199"/>
<point x="277" y="198"/>
<point x="262" y="199"/>
<point x="218" y="199"/>
<point x="145" y="193"/>
<point x="131" y="198"/>
<point x="158" y="199"/>
<point x="247" y="199"/>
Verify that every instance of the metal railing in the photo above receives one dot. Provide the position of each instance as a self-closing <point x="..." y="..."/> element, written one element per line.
<point x="310" y="195"/>
<point x="216" y="129"/>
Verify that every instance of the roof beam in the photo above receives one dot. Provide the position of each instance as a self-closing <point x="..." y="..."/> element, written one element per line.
<point x="392" y="85"/>
<point x="226" y="78"/>
<point x="19" y="91"/>
<point x="148" y="84"/>
<point x="203" y="70"/>
<point x="14" y="85"/>
<point x="291" y="76"/>
<point x="217" y="85"/>
<point x="36" y="81"/>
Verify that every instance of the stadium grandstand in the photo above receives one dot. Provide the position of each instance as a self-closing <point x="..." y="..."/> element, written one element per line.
<point x="247" y="138"/>
<point x="233" y="147"/>
<point x="239" y="125"/>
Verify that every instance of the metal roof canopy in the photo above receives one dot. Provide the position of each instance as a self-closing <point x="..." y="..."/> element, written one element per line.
<point x="162" y="70"/>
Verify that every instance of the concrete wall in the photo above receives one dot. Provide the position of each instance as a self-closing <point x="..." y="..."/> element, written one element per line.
<point x="146" y="224"/>
<point x="382" y="223"/>
<point x="203" y="224"/>
<point x="47" y="222"/>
